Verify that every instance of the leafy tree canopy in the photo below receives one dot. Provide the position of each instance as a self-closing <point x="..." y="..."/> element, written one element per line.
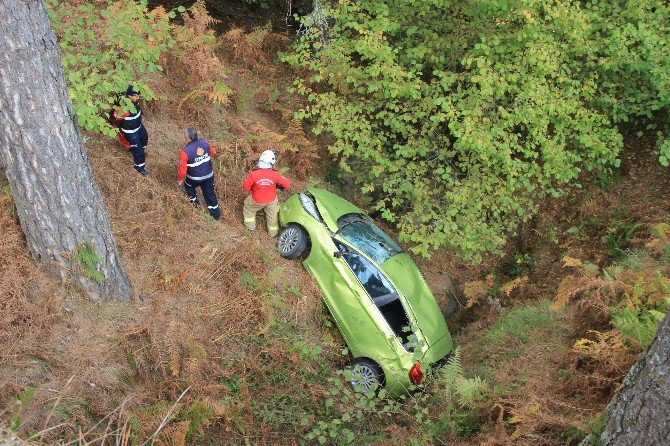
<point x="459" y="116"/>
<point x="105" y="47"/>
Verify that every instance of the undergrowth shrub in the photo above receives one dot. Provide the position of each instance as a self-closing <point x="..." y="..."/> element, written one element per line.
<point x="249" y="49"/>
<point x="520" y="325"/>
<point x="105" y="47"/>
<point x="446" y="408"/>
<point x="462" y="396"/>
<point x="194" y="66"/>
<point x="459" y="136"/>
<point x="634" y="293"/>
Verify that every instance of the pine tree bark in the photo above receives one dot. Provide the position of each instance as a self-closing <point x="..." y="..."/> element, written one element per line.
<point x="639" y="415"/>
<point x="58" y="203"/>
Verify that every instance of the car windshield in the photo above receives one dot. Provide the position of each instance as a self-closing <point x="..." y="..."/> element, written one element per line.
<point x="361" y="233"/>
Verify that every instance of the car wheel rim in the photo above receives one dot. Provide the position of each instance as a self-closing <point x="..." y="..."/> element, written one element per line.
<point x="363" y="378"/>
<point x="288" y="240"/>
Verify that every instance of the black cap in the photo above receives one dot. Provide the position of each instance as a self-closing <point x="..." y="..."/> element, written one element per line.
<point x="131" y="91"/>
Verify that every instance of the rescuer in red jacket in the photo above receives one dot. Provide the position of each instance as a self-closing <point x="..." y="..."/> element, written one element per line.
<point x="263" y="184"/>
<point x="132" y="134"/>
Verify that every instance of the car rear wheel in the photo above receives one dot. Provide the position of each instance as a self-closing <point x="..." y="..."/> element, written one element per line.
<point x="366" y="376"/>
<point x="292" y="241"/>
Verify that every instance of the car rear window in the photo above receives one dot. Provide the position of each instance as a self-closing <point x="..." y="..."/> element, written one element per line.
<point x="360" y="232"/>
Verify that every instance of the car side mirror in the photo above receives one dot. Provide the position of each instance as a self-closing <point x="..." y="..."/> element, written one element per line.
<point x="337" y="254"/>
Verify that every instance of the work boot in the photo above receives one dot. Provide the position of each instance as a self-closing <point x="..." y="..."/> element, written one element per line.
<point x="144" y="173"/>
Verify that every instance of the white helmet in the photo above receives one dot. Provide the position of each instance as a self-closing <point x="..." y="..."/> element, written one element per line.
<point x="267" y="159"/>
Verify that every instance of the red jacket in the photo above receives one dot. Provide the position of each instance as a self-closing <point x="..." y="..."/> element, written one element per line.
<point x="263" y="184"/>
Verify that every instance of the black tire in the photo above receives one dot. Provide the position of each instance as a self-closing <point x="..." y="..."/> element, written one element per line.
<point x="365" y="376"/>
<point x="292" y="241"/>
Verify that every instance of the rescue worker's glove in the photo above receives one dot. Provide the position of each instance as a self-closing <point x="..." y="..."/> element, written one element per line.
<point x="280" y="187"/>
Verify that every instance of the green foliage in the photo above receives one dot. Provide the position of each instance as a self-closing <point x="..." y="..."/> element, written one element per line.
<point x="518" y="324"/>
<point x="457" y="135"/>
<point x="21" y="400"/>
<point x="197" y="415"/>
<point x="521" y="265"/>
<point x="639" y="325"/>
<point x="466" y="391"/>
<point x="7" y="200"/>
<point x="517" y="331"/>
<point x="104" y="48"/>
<point x="665" y="256"/>
<point x="617" y="238"/>
<point x="87" y="259"/>
<point x="596" y="428"/>
<point x="249" y="281"/>
<point x="265" y="4"/>
<point x="243" y="101"/>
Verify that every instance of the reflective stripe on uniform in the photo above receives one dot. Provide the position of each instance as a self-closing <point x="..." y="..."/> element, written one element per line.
<point x="131" y="131"/>
<point x="133" y="117"/>
<point x="209" y="175"/>
<point x="213" y="207"/>
<point x="197" y="163"/>
<point x="249" y="219"/>
<point x="273" y="228"/>
<point x="140" y="165"/>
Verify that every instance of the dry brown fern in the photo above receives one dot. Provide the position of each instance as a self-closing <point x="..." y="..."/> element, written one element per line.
<point x="247" y="48"/>
<point x="196" y="47"/>
<point x="510" y="286"/>
<point x="303" y="151"/>
<point x="608" y="347"/>
<point x="173" y="435"/>
<point x="476" y="290"/>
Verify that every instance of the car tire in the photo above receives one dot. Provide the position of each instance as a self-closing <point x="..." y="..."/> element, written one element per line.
<point x="292" y="241"/>
<point x="365" y="376"/>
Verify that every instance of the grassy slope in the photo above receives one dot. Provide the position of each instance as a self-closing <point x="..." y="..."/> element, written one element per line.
<point x="245" y="331"/>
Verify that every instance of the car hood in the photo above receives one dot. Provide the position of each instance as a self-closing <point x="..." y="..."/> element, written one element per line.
<point x="408" y="280"/>
<point x="331" y="207"/>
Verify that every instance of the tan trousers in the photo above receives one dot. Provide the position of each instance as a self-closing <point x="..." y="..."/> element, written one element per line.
<point x="271" y="215"/>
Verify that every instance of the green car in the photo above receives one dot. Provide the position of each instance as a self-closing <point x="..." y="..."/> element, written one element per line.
<point x="378" y="297"/>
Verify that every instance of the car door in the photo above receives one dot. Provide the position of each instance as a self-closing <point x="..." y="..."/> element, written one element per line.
<point x="380" y="301"/>
<point x="344" y="296"/>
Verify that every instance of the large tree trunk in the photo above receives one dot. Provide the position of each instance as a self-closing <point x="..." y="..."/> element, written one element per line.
<point x="58" y="203"/>
<point x="639" y="415"/>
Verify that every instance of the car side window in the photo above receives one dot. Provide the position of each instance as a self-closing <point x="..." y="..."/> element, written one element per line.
<point x="374" y="282"/>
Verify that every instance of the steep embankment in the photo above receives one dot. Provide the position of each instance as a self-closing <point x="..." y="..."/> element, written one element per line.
<point x="230" y="344"/>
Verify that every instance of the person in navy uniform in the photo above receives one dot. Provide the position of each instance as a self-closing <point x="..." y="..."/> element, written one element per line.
<point x="130" y="124"/>
<point x="195" y="169"/>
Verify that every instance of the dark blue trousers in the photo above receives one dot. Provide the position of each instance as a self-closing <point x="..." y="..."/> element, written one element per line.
<point x="207" y="187"/>
<point x="138" y="144"/>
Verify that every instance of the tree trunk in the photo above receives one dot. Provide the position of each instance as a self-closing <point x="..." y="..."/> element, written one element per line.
<point x="639" y="415"/>
<point x="58" y="203"/>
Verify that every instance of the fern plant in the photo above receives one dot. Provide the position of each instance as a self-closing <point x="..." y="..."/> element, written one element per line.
<point x="465" y="391"/>
<point x="88" y="259"/>
<point x="639" y="326"/>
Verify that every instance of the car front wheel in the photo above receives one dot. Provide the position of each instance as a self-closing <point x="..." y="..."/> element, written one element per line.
<point x="292" y="241"/>
<point x="366" y="376"/>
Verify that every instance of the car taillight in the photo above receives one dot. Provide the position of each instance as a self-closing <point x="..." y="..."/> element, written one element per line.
<point x="415" y="373"/>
